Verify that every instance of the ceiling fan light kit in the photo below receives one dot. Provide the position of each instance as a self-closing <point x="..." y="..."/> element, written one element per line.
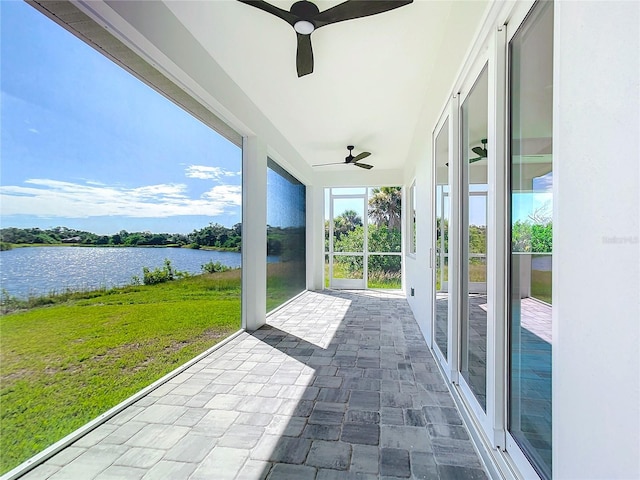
<point x="305" y="18"/>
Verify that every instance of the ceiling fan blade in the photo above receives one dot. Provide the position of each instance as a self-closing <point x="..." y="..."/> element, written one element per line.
<point x="479" y="151"/>
<point x="325" y="164"/>
<point x="364" y="165"/>
<point x="304" y="57"/>
<point x="356" y="9"/>
<point x="272" y="9"/>
<point x="360" y="156"/>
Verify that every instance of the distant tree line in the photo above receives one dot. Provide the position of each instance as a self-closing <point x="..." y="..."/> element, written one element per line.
<point x="286" y="242"/>
<point x="213" y="235"/>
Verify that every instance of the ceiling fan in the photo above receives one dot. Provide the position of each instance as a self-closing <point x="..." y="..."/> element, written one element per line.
<point x="305" y="17"/>
<point x="350" y="159"/>
<point x="480" y="151"/>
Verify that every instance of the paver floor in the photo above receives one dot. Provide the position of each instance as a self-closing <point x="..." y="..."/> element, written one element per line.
<point x="339" y="385"/>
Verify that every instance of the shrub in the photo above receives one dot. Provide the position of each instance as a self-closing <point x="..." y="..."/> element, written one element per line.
<point x="161" y="275"/>
<point x="216" y="267"/>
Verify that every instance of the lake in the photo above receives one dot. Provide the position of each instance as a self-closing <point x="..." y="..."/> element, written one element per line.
<point x="33" y="271"/>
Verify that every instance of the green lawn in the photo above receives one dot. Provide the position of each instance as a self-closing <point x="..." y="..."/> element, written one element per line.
<point x="65" y="364"/>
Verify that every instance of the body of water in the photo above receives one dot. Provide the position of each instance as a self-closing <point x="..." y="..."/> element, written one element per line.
<point x="33" y="271"/>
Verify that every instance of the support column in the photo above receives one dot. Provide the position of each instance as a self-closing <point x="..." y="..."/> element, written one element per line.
<point x="254" y="233"/>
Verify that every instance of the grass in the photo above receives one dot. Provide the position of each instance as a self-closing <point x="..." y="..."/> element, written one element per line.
<point x="379" y="280"/>
<point x="65" y="364"/>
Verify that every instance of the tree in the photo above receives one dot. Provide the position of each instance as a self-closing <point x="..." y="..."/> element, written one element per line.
<point x="346" y="222"/>
<point x="385" y="206"/>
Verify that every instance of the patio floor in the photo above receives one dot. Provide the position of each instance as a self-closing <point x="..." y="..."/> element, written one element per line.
<point x="339" y="385"/>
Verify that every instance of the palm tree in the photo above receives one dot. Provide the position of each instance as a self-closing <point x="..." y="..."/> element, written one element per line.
<point x="346" y="222"/>
<point x="385" y="206"/>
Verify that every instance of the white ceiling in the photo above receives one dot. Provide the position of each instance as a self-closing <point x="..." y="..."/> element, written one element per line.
<point x="373" y="78"/>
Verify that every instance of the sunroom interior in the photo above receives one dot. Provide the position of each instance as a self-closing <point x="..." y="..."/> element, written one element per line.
<point x="430" y="89"/>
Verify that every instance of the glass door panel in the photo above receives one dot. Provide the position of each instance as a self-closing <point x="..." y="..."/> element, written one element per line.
<point x="442" y="204"/>
<point x="347" y="241"/>
<point x="474" y="157"/>
<point x="531" y="207"/>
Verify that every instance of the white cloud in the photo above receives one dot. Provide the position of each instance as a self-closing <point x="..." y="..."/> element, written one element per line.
<point x="52" y="198"/>
<point x="208" y="173"/>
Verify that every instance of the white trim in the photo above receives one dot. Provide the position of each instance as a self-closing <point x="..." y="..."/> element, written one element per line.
<point x="254" y="233"/>
<point x="496" y="240"/>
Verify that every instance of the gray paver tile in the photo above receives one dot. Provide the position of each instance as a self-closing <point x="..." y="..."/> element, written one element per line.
<point x="451" y="472"/>
<point x="332" y="455"/>
<point x="95" y="436"/>
<point x="90" y="463"/>
<point x="279" y="449"/>
<point x="41" y="472"/>
<point x="407" y="438"/>
<point x="363" y="434"/>
<point x="224" y="401"/>
<point x="215" y="423"/>
<point x="159" y="413"/>
<point x="447" y="431"/>
<point x="66" y="455"/>
<point x="364" y="400"/>
<point x="140" y="457"/>
<point x="365" y="458"/>
<point x="327" y="474"/>
<point x="395" y="462"/>
<point x="285" y="425"/>
<point x="192" y="448"/>
<point x="118" y="472"/>
<point x="254" y="470"/>
<point x="455" y="452"/>
<point x="124" y="433"/>
<point x="222" y="463"/>
<point x="191" y="417"/>
<point x="423" y="465"/>
<point x="158" y="435"/>
<point x="322" y="432"/>
<point x="283" y="471"/>
<point x="443" y="415"/>
<point x="241" y="436"/>
<point x="166" y="469"/>
<point x="362" y="416"/>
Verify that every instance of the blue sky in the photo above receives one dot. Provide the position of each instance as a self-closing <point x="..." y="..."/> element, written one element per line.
<point x="86" y="145"/>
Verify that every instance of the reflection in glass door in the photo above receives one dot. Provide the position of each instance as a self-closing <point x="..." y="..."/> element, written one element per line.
<point x="531" y="80"/>
<point x="473" y="315"/>
<point x="442" y="203"/>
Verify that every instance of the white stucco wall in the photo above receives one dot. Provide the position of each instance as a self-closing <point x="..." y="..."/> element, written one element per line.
<point x="596" y="285"/>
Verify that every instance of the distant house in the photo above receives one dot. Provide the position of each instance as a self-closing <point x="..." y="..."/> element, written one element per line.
<point x="75" y="239"/>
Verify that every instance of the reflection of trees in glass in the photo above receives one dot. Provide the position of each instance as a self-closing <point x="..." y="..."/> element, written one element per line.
<point x="442" y="230"/>
<point x="385" y="206"/>
<point x="532" y="237"/>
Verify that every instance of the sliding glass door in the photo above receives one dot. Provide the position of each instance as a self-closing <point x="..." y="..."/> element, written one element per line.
<point x="492" y="244"/>
<point x="442" y="236"/>
<point x="473" y="272"/>
<point x="531" y="206"/>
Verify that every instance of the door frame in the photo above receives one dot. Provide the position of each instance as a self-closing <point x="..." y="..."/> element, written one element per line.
<point x="348" y="283"/>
